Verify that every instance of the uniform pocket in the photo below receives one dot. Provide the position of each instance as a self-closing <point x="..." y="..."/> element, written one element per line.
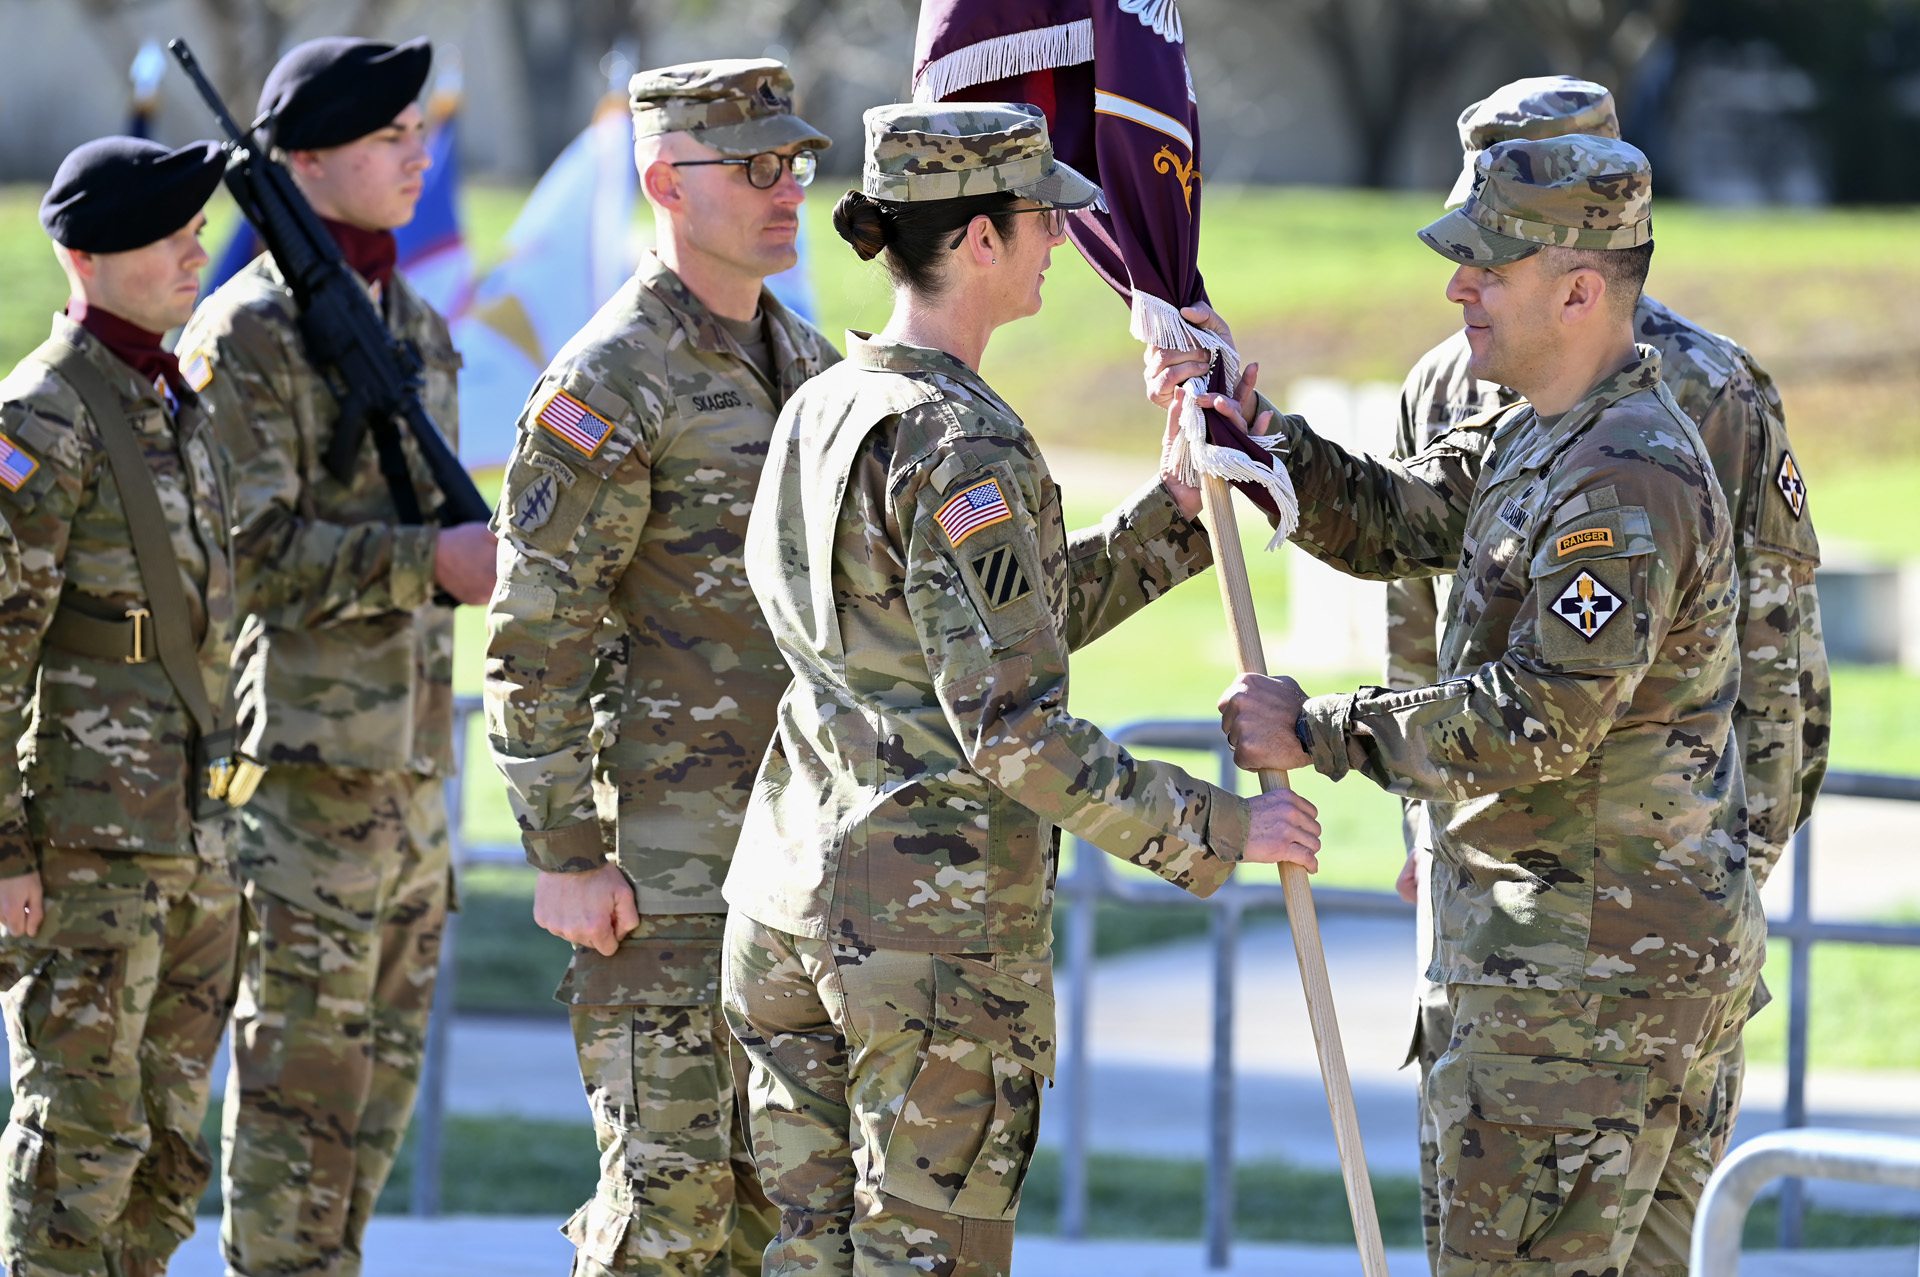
<point x="31" y="1183"/>
<point x="672" y="973"/>
<point x="965" y="1133"/>
<point x="1536" y="1166"/>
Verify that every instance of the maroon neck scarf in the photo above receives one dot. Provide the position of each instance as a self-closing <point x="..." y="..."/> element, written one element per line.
<point x="371" y="253"/>
<point x="134" y="346"/>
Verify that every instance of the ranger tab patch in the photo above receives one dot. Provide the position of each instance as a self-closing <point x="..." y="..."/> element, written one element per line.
<point x="1581" y="540"/>
<point x="972" y="508"/>
<point x="1001" y="579"/>
<point x="16" y="464"/>
<point x="1791" y="485"/>
<point x="1586" y="605"/>
<point x="573" y="421"/>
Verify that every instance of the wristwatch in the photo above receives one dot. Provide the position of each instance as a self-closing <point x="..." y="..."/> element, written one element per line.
<point x="1303" y="732"/>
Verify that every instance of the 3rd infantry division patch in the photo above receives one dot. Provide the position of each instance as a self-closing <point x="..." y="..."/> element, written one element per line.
<point x="1000" y="576"/>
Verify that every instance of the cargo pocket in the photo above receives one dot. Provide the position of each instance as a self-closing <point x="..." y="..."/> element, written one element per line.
<point x="965" y="1132"/>
<point x="1536" y="1167"/>
<point x="75" y="968"/>
<point x="31" y="1188"/>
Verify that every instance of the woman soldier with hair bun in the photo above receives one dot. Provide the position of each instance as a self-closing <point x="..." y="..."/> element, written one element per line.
<point x="887" y="959"/>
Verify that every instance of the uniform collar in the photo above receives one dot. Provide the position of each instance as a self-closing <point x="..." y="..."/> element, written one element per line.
<point x="126" y="382"/>
<point x="1529" y="440"/>
<point x="882" y="354"/>
<point x="792" y="361"/>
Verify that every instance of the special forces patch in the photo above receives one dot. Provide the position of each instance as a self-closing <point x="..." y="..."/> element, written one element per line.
<point x="1001" y="579"/>
<point x="537" y="503"/>
<point x="1791" y="485"/>
<point x="1586" y="605"/>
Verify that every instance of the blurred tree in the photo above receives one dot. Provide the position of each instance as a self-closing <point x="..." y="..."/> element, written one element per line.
<point x="1387" y="56"/>
<point x="1864" y="59"/>
<point x="562" y="47"/>
<point x="1599" y="40"/>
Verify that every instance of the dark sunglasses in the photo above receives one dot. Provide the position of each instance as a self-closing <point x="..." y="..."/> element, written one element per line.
<point x="1055" y="223"/>
<point x="763" y="170"/>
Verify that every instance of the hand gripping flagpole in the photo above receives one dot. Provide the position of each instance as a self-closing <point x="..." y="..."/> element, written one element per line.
<point x="1236" y="598"/>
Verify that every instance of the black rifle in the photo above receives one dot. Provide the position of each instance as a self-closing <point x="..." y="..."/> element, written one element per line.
<point x="375" y="376"/>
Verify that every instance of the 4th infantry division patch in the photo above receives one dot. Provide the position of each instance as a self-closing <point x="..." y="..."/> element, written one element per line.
<point x="972" y="508"/>
<point x="1586" y="605"/>
<point x="1000" y="577"/>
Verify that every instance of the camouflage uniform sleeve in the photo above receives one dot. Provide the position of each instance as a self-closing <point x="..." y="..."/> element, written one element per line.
<point x="296" y="571"/>
<point x="1140" y="551"/>
<point x="569" y="527"/>
<point x="41" y="514"/>
<point x="1374" y="517"/>
<point x="1538" y="712"/>
<point x="1413" y="611"/>
<point x="998" y="661"/>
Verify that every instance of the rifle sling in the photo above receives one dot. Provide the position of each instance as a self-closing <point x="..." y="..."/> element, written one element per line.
<point x="147" y="526"/>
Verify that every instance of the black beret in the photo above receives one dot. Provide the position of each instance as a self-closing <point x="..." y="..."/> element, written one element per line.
<point x="334" y="91"/>
<point x="115" y="194"/>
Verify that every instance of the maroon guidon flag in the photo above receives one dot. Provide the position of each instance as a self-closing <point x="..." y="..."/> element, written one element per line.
<point x="1112" y="77"/>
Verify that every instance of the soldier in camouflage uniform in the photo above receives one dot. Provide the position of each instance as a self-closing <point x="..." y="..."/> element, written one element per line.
<point x="1781" y="719"/>
<point x="345" y="849"/>
<point x="887" y="955"/>
<point x="626" y="506"/>
<point x="117" y="890"/>
<point x="1596" y="924"/>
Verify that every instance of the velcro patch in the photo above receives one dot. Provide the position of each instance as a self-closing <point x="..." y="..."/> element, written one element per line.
<point x="1001" y="578"/>
<point x="1587" y="605"/>
<point x="979" y="505"/>
<point x="537" y="504"/>
<point x="1585" y="538"/>
<point x="16" y="464"/>
<point x="198" y="371"/>
<point x="573" y="421"/>
<point x="1794" y="488"/>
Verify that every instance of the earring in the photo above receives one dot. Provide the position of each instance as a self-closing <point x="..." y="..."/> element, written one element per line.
<point x="994" y="262"/>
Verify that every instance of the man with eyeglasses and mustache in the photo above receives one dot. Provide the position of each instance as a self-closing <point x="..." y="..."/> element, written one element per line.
<point x="628" y="660"/>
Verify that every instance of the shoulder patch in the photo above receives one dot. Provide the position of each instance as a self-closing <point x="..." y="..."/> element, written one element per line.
<point x="978" y="505"/>
<point x="1001" y="579"/>
<point x="16" y="464"/>
<point x="1587" y="605"/>
<point x="1791" y="485"/>
<point x="574" y="421"/>
<point x="198" y="371"/>
<point x="1583" y="538"/>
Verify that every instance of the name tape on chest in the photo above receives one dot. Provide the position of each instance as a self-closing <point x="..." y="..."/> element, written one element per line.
<point x="1585" y="538"/>
<point x="1515" y="510"/>
<point x="974" y="507"/>
<point x="1791" y="485"/>
<point x="583" y="428"/>
<point x="719" y="401"/>
<point x="1587" y="605"/>
<point x="16" y="464"/>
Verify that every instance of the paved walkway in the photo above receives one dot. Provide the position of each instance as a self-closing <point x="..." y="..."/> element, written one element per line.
<point x="506" y="1246"/>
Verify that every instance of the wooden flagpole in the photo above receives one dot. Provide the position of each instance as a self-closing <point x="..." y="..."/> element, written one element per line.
<point x="1229" y="561"/>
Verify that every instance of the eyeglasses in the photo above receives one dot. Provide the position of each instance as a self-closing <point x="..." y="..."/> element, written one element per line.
<point x="1055" y="223"/>
<point x="763" y="170"/>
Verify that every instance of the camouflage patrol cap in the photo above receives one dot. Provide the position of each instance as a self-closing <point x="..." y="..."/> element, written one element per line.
<point x="944" y="151"/>
<point x="1539" y="107"/>
<point x="737" y="106"/>
<point x="1578" y="191"/>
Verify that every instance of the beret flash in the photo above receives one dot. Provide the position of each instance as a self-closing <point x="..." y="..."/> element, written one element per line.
<point x="337" y="90"/>
<point x="115" y="194"/>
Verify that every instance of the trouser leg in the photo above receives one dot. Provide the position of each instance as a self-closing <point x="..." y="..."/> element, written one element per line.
<point x="192" y="1001"/>
<point x="678" y="1194"/>
<point x="1567" y="1122"/>
<point x="102" y="1152"/>
<point x="925" y="1058"/>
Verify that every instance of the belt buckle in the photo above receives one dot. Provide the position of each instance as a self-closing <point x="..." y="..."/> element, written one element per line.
<point x="140" y="617"/>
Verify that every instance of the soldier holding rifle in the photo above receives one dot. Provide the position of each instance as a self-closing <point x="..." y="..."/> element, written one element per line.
<point x="345" y="850"/>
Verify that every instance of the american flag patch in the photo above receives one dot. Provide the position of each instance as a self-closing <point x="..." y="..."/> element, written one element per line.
<point x="573" y="421"/>
<point x="16" y="464"/>
<point x="197" y="371"/>
<point x="971" y="509"/>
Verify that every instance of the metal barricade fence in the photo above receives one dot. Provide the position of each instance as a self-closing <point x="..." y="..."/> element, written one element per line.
<point x="1092" y="880"/>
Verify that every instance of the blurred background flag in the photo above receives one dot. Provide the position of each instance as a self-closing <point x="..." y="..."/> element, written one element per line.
<point x="570" y="249"/>
<point x="149" y="65"/>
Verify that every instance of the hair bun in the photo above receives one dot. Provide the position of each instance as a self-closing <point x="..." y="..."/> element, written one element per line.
<point x="860" y="222"/>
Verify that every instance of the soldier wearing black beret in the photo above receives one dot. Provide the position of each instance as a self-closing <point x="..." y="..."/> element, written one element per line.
<point x="344" y="851"/>
<point x="118" y="900"/>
